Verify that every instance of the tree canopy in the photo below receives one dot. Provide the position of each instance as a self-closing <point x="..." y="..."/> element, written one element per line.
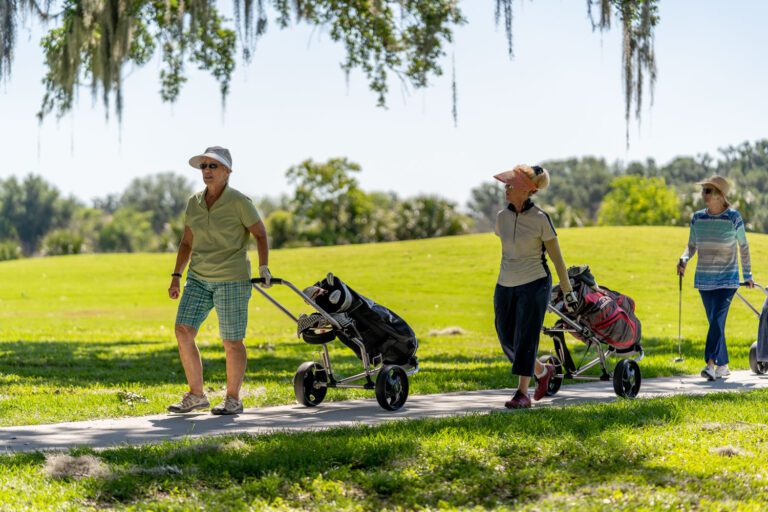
<point x="638" y="201"/>
<point x="92" y="41"/>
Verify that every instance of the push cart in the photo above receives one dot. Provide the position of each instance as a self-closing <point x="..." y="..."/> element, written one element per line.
<point x="382" y="341"/>
<point x="758" y="352"/>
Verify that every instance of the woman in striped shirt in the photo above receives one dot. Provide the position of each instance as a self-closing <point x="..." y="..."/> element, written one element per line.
<point x="717" y="233"/>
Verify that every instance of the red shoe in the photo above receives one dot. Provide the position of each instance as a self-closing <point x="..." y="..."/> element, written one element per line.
<point x="543" y="383"/>
<point x="518" y="401"/>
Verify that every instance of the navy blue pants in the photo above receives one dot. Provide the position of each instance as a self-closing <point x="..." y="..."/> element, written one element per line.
<point x="716" y="304"/>
<point x="519" y="316"/>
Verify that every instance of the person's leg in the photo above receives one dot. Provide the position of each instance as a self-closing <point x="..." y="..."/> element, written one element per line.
<point x="708" y="297"/>
<point x="532" y="300"/>
<point x="196" y="302"/>
<point x="190" y="358"/>
<point x="236" y="363"/>
<point x="723" y="304"/>
<point x="231" y="300"/>
<point x="504" y="309"/>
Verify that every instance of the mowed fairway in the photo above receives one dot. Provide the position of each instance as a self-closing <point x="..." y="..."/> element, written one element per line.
<point x="75" y="331"/>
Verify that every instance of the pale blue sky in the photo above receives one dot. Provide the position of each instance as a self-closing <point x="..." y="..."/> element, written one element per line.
<point x="561" y="96"/>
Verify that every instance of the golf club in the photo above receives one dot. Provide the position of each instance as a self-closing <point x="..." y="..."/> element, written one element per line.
<point x="680" y="358"/>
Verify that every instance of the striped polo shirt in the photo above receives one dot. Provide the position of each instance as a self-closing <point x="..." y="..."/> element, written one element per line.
<point x="523" y="256"/>
<point x="716" y="238"/>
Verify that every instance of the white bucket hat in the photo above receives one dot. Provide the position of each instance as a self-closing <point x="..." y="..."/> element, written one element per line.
<point x="217" y="153"/>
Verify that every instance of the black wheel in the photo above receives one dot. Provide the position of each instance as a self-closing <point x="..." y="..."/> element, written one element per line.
<point x="555" y="382"/>
<point x="305" y="384"/>
<point x="759" y="367"/>
<point x="391" y="387"/>
<point x="626" y="379"/>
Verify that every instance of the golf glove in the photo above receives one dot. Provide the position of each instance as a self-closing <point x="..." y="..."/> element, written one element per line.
<point x="570" y="301"/>
<point x="265" y="275"/>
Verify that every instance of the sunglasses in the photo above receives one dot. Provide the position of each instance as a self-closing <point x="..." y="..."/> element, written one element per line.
<point x="209" y="166"/>
<point x="707" y="190"/>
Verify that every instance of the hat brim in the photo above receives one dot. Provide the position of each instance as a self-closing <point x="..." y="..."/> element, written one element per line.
<point x="711" y="184"/>
<point x="714" y="185"/>
<point x="195" y="161"/>
<point x="505" y="177"/>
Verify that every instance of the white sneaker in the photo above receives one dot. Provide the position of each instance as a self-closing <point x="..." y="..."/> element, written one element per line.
<point x="190" y="403"/>
<point x="228" y="406"/>
<point x="722" y="371"/>
<point x="709" y="373"/>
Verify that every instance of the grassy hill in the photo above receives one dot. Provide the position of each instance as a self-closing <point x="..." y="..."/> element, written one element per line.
<point x="75" y="330"/>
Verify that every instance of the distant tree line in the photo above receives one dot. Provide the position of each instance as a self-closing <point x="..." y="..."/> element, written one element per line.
<point x="590" y="191"/>
<point x="36" y="219"/>
<point x="327" y="207"/>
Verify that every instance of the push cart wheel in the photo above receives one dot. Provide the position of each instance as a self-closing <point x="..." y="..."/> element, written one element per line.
<point x="392" y="387"/>
<point x="306" y="384"/>
<point x="759" y="367"/>
<point x="555" y="382"/>
<point x="626" y="379"/>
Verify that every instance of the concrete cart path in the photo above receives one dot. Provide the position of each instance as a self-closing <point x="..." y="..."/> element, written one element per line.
<point x="165" y="427"/>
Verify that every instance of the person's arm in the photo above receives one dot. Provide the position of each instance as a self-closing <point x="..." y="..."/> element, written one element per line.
<point x="259" y="232"/>
<point x="553" y="249"/>
<point x="688" y="253"/>
<point x="182" y="258"/>
<point x="570" y="300"/>
<point x="746" y="265"/>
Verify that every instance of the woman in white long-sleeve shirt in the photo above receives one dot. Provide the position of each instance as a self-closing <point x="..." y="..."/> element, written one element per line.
<point x="524" y="285"/>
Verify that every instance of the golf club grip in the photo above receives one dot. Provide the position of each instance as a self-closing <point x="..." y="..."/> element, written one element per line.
<point x="260" y="280"/>
<point x="680" y="284"/>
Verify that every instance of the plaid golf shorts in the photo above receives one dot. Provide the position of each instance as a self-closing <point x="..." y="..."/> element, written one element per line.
<point x="230" y="298"/>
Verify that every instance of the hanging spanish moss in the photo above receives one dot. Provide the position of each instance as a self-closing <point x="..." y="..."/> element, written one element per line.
<point x="249" y="30"/>
<point x="97" y="42"/>
<point x="505" y="6"/>
<point x="454" y="95"/>
<point x="638" y="19"/>
<point x="10" y="11"/>
<point x="98" y="39"/>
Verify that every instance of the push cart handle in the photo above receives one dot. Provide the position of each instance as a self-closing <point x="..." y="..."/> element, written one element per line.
<point x="260" y="280"/>
<point x="759" y="287"/>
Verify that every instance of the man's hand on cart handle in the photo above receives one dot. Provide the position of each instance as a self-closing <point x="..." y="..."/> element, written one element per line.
<point x="570" y="301"/>
<point x="749" y="283"/>
<point x="265" y="275"/>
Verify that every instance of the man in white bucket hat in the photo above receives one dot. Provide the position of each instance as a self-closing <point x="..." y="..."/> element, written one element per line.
<point x="218" y="223"/>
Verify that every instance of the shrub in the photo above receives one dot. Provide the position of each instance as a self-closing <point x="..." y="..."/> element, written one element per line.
<point x="62" y="241"/>
<point x="9" y="250"/>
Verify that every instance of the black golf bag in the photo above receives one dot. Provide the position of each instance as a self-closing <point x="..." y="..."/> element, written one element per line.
<point x="383" y="332"/>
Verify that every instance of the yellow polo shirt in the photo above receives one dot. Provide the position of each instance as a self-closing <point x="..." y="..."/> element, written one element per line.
<point x="220" y="235"/>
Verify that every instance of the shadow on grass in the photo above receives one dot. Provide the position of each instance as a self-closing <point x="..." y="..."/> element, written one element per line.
<point x="472" y="461"/>
<point x="495" y="369"/>
<point x="155" y="362"/>
<point x="67" y="363"/>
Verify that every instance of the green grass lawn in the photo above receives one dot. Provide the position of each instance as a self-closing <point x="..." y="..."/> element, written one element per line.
<point x="702" y="453"/>
<point x="74" y="331"/>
